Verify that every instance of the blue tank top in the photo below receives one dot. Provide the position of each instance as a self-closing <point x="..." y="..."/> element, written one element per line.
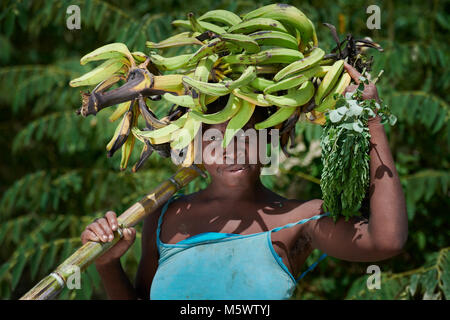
<point x="223" y="266"/>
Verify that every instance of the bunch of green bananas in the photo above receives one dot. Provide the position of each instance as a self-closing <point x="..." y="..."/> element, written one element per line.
<point x="269" y="57"/>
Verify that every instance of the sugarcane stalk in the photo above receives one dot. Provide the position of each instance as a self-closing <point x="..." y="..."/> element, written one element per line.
<point x="53" y="284"/>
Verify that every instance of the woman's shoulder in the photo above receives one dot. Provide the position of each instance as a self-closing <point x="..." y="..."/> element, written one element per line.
<point x="303" y="209"/>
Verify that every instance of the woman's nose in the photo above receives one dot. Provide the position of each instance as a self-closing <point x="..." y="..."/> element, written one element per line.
<point x="236" y="153"/>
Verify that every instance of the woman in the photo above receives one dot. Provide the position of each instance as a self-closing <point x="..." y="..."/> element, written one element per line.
<point x="236" y="239"/>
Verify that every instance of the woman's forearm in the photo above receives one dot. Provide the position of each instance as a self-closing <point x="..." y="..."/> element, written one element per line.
<point x="388" y="223"/>
<point x="116" y="282"/>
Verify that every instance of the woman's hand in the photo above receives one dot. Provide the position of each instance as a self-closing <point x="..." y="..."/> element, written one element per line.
<point x="102" y="230"/>
<point x="370" y="91"/>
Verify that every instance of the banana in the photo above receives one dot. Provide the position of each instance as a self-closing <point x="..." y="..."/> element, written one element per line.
<point x="205" y="25"/>
<point x="329" y="102"/>
<point x="241" y="41"/>
<point x="224" y="87"/>
<point x="183" y="100"/>
<point x="139" y="57"/>
<point x="120" y="110"/>
<point x="223" y="115"/>
<point x="294" y="97"/>
<point x="322" y="71"/>
<point x="122" y="132"/>
<point x="150" y="118"/>
<point x="279" y="116"/>
<point x="190" y="154"/>
<point x="216" y="45"/>
<point x="248" y="95"/>
<point x="238" y="121"/>
<point x="257" y="24"/>
<point x="157" y="140"/>
<point x="314" y="57"/>
<point x="110" y="51"/>
<point x="169" y="82"/>
<point x="177" y="42"/>
<point x="221" y="16"/>
<point x="183" y="136"/>
<point x="202" y="73"/>
<point x="107" y="83"/>
<point x="170" y="63"/>
<point x="269" y="56"/>
<point x="115" y="135"/>
<point x="288" y="15"/>
<point x="194" y="23"/>
<point x="261" y="83"/>
<point x="183" y="38"/>
<point x="265" y="69"/>
<point x="146" y="152"/>
<point x="329" y="81"/>
<point x="295" y="80"/>
<point x="214" y="89"/>
<point x="104" y="71"/>
<point x="275" y="38"/>
<point x="165" y="131"/>
<point x="287" y="83"/>
<point x="246" y="77"/>
<point x="127" y="147"/>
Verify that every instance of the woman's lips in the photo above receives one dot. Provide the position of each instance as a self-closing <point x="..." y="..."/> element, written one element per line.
<point x="237" y="168"/>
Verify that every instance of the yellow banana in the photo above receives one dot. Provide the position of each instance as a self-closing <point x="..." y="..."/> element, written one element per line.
<point x="248" y="95"/>
<point x="170" y="63"/>
<point x="122" y="132"/>
<point x="183" y="136"/>
<point x="120" y="110"/>
<point x="241" y="41"/>
<point x="279" y="116"/>
<point x="257" y="24"/>
<point x="291" y="16"/>
<point x="202" y="73"/>
<point x="294" y="97"/>
<point x="110" y="51"/>
<point x="275" y="38"/>
<point x="223" y="115"/>
<point x="205" y="25"/>
<point x="222" y="16"/>
<point x="313" y="58"/>
<point x="102" y="72"/>
<point x="329" y="101"/>
<point x="329" y="81"/>
<point x="127" y="147"/>
<point x="261" y="83"/>
<point x="238" y="121"/>
<point x="269" y="56"/>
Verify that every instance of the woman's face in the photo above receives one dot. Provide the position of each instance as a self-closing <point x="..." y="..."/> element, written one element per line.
<point x="237" y="164"/>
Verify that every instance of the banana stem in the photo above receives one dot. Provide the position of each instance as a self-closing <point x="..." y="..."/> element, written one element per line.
<point x="139" y="82"/>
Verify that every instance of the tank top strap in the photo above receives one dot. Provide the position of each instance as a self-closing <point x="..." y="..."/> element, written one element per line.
<point x="163" y="210"/>
<point x="292" y="224"/>
<point x="323" y="256"/>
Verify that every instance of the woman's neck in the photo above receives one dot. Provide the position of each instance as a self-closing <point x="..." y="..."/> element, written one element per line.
<point x="243" y="192"/>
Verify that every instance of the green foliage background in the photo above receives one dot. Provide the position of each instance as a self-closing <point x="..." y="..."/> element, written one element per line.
<point x="55" y="176"/>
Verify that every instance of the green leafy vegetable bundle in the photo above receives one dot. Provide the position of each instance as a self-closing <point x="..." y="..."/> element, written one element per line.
<point x="345" y="143"/>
